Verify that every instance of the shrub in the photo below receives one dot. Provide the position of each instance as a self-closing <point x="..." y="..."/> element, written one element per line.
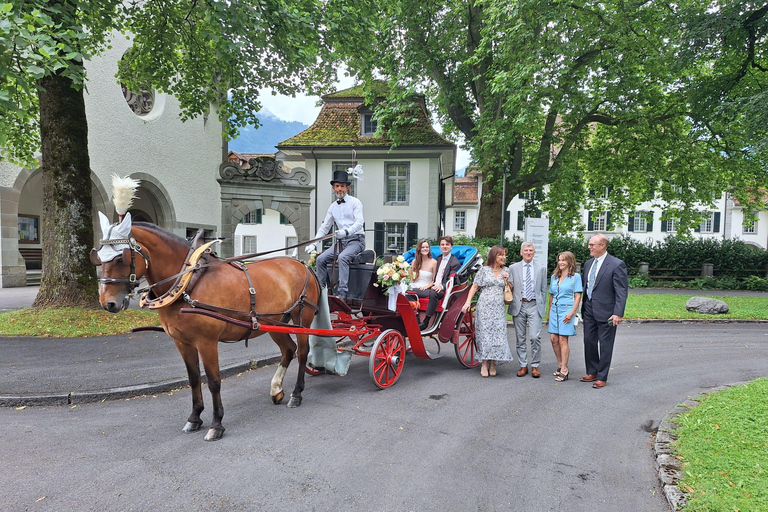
<point x="756" y="283"/>
<point x="640" y="280"/>
<point x="703" y="283"/>
<point x="729" y="283"/>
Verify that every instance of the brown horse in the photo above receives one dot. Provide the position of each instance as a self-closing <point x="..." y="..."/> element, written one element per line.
<point x="283" y="286"/>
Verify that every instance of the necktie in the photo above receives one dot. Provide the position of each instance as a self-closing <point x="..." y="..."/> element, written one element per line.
<point x="339" y="201"/>
<point x="592" y="274"/>
<point x="528" y="282"/>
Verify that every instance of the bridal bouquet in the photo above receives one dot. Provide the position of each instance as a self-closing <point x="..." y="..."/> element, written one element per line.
<point x="396" y="273"/>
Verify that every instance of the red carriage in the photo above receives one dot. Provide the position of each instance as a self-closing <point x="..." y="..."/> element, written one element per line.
<point x="386" y="329"/>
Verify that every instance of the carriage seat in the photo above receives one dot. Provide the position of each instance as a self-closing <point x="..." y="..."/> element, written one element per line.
<point x="367" y="257"/>
<point x="466" y="254"/>
<point x="470" y="263"/>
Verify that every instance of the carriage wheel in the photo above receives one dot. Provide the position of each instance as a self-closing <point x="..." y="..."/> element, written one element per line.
<point x="312" y="371"/>
<point x="387" y="358"/>
<point x="464" y="340"/>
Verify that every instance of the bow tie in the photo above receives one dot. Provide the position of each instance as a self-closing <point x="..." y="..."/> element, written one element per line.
<point x="339" y="201"/>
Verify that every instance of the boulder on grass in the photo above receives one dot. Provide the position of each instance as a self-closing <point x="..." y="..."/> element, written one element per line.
<point x="706" y="305"/>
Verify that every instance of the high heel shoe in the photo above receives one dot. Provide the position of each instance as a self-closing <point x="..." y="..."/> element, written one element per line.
<point x="562" y="377"/>
<point x="557" y="372"/>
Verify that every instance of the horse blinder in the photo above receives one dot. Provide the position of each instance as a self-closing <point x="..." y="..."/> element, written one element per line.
<point x="95" y="257"/>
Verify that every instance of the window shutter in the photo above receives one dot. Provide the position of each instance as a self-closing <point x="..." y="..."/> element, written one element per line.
<point x="378" y="238"/>
<point x="590" y="222"/>
<point x="716" y="225"/>
<point x="520" y="220"/>
<point x="412" y="230"/>
<point x="697" y="229"/>
<point x="649" y="222"/>
<point x="506" y="220"/>
<point x="663" y="226"/>
<point x="258" y="216"/>
<point x="608" y="223"/>
<point x="631" y="223"/>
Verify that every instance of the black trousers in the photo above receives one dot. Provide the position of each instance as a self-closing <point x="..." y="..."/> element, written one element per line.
<point x="598" y="342"/>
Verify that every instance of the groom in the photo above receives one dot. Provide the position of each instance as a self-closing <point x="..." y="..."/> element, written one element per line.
<point x="447" y="265"/>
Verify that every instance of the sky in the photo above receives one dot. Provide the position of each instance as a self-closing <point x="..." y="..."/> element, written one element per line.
<point x="304" y="109"/>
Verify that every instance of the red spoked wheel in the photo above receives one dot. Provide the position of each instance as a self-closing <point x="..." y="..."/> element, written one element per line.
<point x="464" y="340"/>
<point x="387" y="358"/>
<point x="308" y="369"/>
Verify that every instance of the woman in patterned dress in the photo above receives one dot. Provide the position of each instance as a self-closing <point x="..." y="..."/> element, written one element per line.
<point x="565" y="296"/>
<point x="491" y="313"/>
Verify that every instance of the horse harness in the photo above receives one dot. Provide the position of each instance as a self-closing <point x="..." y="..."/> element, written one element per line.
<point x="197" y="260"/>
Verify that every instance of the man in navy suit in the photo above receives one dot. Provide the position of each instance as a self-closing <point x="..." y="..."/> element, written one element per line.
<point x="607" y="287"/>
<point x="447" y="265"/>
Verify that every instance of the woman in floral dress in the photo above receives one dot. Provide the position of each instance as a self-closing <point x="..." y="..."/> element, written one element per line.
<point x="491" y="313"/>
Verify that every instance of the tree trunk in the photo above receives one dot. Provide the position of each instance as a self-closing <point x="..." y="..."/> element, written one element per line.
<point x="489" y="217"/>
<point x="68" y="278"/>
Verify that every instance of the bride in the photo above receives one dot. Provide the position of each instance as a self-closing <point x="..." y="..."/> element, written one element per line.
<point x="423" y="268"/>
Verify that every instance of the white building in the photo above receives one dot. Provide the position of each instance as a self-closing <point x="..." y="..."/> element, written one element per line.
<point x="404" y="188"/>
<point x="130" y="135"/>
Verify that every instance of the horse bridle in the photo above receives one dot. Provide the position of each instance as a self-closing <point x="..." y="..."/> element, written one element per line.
<point x="132" y="249"/>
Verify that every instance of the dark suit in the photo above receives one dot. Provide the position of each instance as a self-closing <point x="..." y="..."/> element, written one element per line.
<point x="451" y="268"/>
<point x="609" y="297"/>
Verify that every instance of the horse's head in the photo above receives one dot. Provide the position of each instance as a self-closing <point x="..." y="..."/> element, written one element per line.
<point x="121" y="269"/>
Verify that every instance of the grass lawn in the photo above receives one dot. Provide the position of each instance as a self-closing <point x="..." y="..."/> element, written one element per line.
<point x="723" y="443"/>
<point x="75" y="323"/>
<point x="72" y="323"/>
<point x="673" y="307"/>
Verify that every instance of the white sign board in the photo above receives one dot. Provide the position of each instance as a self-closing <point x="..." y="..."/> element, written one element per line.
<point x="537" y="232"/>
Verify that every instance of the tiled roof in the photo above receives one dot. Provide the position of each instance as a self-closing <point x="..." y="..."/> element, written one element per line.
<point x="465" y="191"/>
<point x="339" y="121"/>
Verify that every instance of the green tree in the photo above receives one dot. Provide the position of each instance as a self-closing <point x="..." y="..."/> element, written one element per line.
<point x="579" y="96"/>
<point x="213" y="54"/>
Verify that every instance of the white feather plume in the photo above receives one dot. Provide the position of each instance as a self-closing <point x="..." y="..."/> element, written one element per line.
<point x="123" y="193"/>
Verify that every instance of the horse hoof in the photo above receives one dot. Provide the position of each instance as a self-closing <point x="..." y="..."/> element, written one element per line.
<point x="276" y="399"/>
<point x="214" y="434"/>
<point x="192" y="426"/>
<point x="294" y="402"/>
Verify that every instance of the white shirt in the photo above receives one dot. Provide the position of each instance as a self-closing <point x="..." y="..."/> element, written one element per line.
<point x="533" y="278"/>
<point x="347" y="215"/>
<point x="597" y="263"/>
<point x="441" y="270"/>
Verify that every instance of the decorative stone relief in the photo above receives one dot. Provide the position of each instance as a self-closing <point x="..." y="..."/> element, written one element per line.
<point x="263" y="168"/>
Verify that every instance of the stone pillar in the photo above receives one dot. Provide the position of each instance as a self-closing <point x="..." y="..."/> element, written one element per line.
<point x="13" y="272"/>
<point x="707" y="270"/>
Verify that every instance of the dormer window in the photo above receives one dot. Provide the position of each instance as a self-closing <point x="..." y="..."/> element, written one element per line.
<point x="368" y="124"/>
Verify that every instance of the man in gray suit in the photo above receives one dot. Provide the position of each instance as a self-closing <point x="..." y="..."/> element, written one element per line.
<point x="606" y="288"/>
<point x="529" y="287"/>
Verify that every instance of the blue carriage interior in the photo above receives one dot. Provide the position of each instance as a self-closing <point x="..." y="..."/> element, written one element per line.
<point x="466" y="254"/>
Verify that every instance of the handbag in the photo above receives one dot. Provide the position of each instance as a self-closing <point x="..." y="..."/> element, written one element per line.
<point x="508" y="297"/>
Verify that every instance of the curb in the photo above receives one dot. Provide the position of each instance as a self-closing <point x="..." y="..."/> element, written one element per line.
<point x="84" y="397"/>
<point x="668" y="465"/>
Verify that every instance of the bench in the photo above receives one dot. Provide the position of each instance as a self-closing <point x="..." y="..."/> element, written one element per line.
<point x="33" y="257"/>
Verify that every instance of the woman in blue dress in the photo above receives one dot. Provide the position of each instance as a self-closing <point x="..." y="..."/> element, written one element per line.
<point x="564" y="298"/>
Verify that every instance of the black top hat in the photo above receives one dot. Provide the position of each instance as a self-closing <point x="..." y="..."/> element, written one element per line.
<point x="340" y="177"/>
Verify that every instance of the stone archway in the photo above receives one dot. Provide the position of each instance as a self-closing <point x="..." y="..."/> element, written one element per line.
<point x="26" y="192"/>
<point x="263" y="185"/>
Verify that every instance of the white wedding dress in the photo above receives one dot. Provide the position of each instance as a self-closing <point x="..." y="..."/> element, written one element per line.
<point x="425" y="278"/>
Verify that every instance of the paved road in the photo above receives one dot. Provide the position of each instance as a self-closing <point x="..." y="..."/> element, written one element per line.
<point x="441" y="439"/>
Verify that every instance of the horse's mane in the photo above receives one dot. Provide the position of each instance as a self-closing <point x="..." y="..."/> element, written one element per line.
<point x="165" y="235"/>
